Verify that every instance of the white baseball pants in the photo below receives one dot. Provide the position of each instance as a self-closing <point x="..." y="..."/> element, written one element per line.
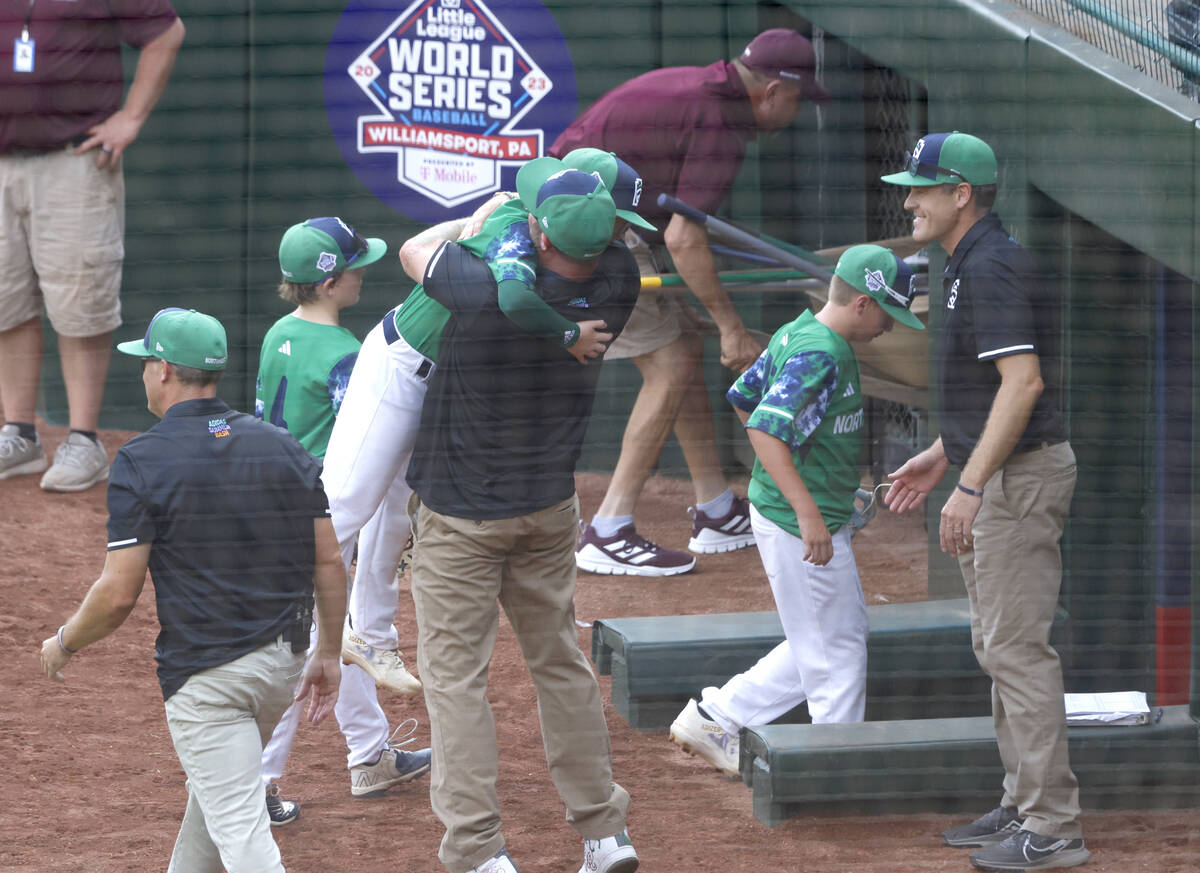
<point x="823" y="658"/>
<point x="365" y="466"/>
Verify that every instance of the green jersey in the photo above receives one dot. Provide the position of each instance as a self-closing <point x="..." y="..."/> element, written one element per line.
<point x="303" y="371"/>
<point x="804" y="390"/>
<point x="504" y="243"/>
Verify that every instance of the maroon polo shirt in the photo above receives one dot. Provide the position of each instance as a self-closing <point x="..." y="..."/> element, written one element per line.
<point x="684" y="129"/>
<point x="77" y="80"/>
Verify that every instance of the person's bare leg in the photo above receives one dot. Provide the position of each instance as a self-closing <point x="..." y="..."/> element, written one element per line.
<point x="695" y="431"/>
<point x="85" y="368"/>
<point x="664" y="380"/>
<point x="20" y="370"/>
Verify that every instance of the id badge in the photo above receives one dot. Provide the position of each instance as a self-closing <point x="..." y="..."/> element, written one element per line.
<point x="23" y="52"/>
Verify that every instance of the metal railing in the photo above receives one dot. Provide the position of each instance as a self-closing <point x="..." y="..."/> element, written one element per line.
<point x="1160" y="38"/>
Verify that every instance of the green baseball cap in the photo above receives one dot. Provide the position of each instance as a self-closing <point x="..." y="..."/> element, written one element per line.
<point x="572" y="208"/>
<point x="319" y="248"/>
<point x="621" y="180"/>
<point x="878" y="273"/>
<point x="947" y="158"/>
<point x="184" y="337"/>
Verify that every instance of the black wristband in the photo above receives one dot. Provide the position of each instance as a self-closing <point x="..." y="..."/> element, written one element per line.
<point x="965" y="490"/>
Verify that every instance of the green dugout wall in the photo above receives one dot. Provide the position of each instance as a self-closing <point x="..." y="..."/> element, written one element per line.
<point x="1099" y="178"/>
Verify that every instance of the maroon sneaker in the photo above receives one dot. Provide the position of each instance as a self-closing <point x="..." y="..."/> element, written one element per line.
<point x="725" y="534"/>
<point x="628" y="554"/>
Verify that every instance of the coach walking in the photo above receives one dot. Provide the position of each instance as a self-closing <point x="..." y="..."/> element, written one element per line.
<point x="1000" y="425"/>
<point x="229" y="515"/>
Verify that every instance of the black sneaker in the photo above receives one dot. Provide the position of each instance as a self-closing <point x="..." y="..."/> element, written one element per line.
<point x="987" y="830"/>
<point x="280" y="811"/>
<point x="1026" y="850"/>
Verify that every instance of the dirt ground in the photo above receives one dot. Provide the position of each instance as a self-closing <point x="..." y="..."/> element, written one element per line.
<point x="92" y="782"/>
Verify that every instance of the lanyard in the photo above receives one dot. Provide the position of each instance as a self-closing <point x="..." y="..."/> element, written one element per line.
<point x="28" y="21"/>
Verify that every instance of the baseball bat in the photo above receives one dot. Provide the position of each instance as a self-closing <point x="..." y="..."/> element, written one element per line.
<point x="674" y="280"/>
<point x="740" y="255"/>
<point x="747" y="241"/>
<point x="815" y="257"/>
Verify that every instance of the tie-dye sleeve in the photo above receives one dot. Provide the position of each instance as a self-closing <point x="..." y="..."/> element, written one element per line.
<point x="796" y="401"/>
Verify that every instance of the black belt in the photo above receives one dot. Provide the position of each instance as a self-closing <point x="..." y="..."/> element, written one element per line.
<point x="391" y="335"/>
<point x="31" y="151"/>
<point x="1044" y="444"/>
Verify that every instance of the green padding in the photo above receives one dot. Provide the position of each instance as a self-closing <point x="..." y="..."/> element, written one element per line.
<point x="919" y="660"/>
<point x="951" y="765"/>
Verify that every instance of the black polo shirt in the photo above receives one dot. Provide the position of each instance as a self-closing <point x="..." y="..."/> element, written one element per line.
<point x="996" y="304"/>
<point x="227" y="503"/>
<point x="506" y="412"/>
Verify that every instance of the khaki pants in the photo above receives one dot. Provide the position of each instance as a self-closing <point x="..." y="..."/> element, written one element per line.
<point x="62" y="242"/>
<point x="461" y="569"/>
<point x="219" y="721"/>
<point x="1013" y="579"/>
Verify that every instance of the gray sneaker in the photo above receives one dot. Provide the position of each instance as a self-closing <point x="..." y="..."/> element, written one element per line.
<point x="1026" y="850"/>
<point x="392" y="767"/>
<point x="19" y="456"/>
<point x="79" y="464"/>
<point x="987" y="830"/>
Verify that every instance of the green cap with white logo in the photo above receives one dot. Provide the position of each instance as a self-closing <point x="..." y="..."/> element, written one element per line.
<point x="878" y="273"/>
<point x="184" y="337"/>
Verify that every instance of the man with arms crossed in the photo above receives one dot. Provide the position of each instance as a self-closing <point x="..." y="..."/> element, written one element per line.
<point x="494" y="467"/>
<point x="686" y="130"/>
<point x="229" y="515"/>
<point x="1001" y="426"/>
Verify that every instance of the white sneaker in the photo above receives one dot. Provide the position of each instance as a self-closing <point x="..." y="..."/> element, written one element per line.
<point x="79" y="464"/>
<point x="613" y="854"/>
<point x="498" y="863"/>
<point x="19" y="456"/>
<point x="700" y="736"/>
<point x="385" y="666"/>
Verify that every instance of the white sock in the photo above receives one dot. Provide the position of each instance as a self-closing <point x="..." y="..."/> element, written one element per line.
<point x="608" y="527"/>
<point x="719" y="506"/>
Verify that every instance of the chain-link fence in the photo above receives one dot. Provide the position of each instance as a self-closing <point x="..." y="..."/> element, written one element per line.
<point x="1160" y="38"/>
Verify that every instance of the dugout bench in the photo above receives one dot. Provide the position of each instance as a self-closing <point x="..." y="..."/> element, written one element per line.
<point x="951" y="765"/>
<point x="919" y="660"/>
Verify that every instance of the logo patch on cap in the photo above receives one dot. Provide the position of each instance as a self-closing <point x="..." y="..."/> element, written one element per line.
<point x="158" y="347"/>
<point x="875" y="280"/>
<point x="637" y="191"/>
<point x="326" y="262"/>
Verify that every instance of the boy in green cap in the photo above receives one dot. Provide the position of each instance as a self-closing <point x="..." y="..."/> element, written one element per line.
<point x="802" y="406"/>
<point x="304" y="368"/>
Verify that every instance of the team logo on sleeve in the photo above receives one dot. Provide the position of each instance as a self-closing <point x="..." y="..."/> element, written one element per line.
<point x="431" y="101"/>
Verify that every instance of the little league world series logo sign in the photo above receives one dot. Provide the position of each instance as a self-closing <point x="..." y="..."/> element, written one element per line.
<point x="431" y="104"/>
